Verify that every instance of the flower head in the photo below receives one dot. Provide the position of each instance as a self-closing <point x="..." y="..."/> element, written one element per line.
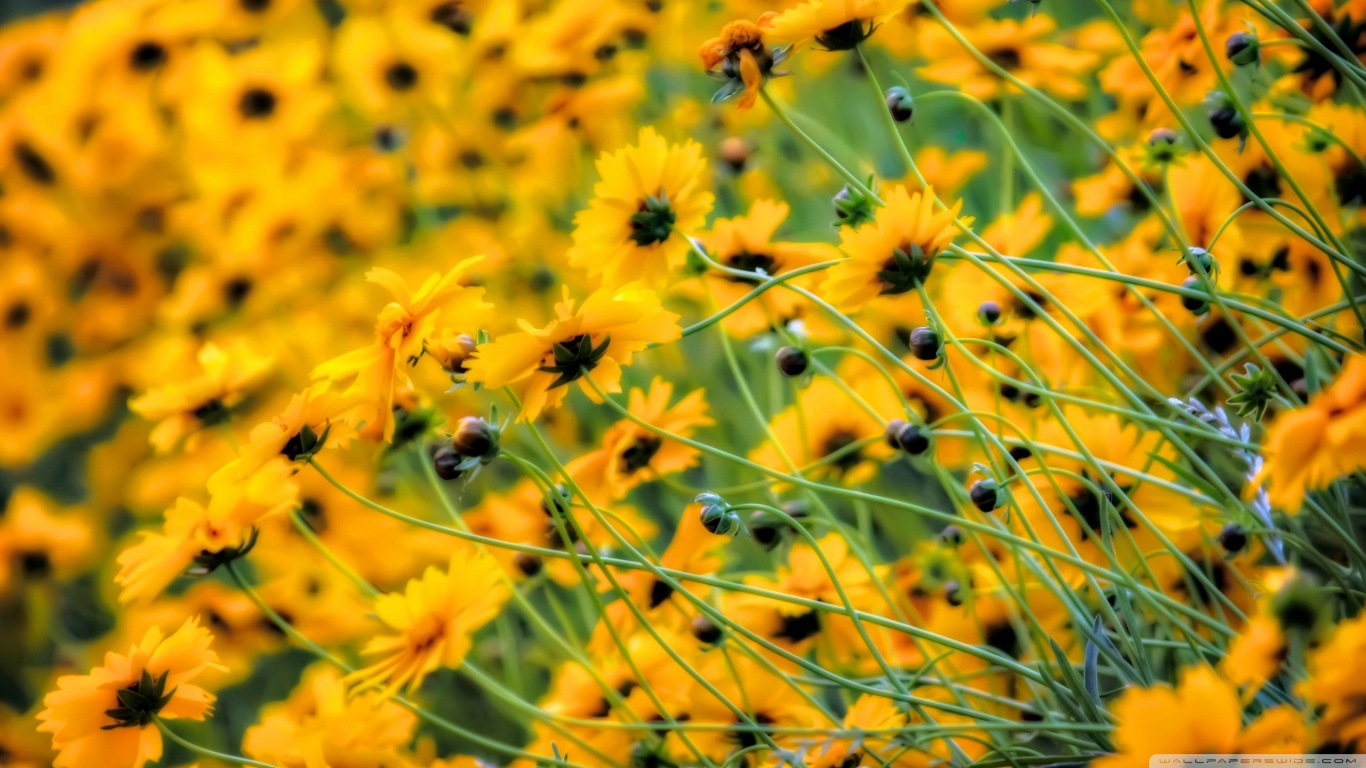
<point x="894" y="253"/>
<point x="105" y="717"/>
<point x="651" y="195"/>
<point x="202" y="400"/>
<point x="598" y="337"/>
<point x="835" y="25"/>
<point x="433" y="620"/>
<point x="400" y="331"/>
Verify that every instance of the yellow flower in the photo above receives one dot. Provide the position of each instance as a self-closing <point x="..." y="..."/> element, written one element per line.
<point x="105" y="718"/>
<point x="1309" y="447"/>
<point x="747" y="243"/>
<point x="599" y="338"/>
<point x="1019" y="47"/>
<point x="835" y="25"/>
<point x="394" y="68"/>
<point x="195" y="534"/>
<point x="320" y="725"/>
<point x="825" y="426"/>
<point x="631" y="454"/>
<point x="650" y="198"/>
<point x="1337" y="684"/>
<point x="434" y="617"/>
<point x="402" y="327"/>
<point x="36" y="543"/>
<point x="893" y="253"/>
<point x="878" y="714"/>
<point x="1202" y="715"/>
<point x="203" y="400"/>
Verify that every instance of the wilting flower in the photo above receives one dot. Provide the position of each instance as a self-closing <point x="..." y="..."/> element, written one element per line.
<point x="598" y="337"/>
<point x="205" y="400"/>
<point x="746" y="62"/>
<point x="435" y="618"/>
<point x="402" y="327"/>
<point x="1309" y="447"/>
<point x="894" y="253"/>
<point x="631" y="454"/>
<point x="651" y="197"/>
<point x="106" y="717"/>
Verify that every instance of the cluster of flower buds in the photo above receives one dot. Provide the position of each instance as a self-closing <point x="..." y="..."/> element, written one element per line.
<point x="473" y="444"/>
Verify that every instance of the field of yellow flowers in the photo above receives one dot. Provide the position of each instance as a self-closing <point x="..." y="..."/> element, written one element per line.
<point x="682" y="383"/>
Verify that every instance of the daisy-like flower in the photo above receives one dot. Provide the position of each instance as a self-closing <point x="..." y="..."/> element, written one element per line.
<point x="631" y="454"/>
<point x="600" y="336"/>
<point x="1337" y="686"/>
<point x="746" y="243"/>
<point x="1022" y="48"/>
<point x="835" y="25"/>
<point x="1309" y="447"/>
<point x="649" y="196"/>
<point x="879" y="715"/>
<point x="106" y="718"/>
<point x="746" y="62"/>
<point x="1202" y="715"/>
<point x="204" y="400"/>
<point x="403" y="325"/>
<point x="433" y="620"/>
<point x="206" y="536"/>
<point x="893" y="253"/>
<point x="321" y="725"/>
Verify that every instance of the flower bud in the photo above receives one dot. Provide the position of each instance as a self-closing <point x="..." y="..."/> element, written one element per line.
<point x="989" y="312"/>
<point x="900" y="104"/>
<point x="853" y="208"/>
<point x="951" y="535"/>
<point x="1198" y="305"/>
<point x="893" y="432"/>
<point x="791" y="361"/>
<point x="1163" y="145"/>
<point x="1225" y="118"/>
<point x="528" y="564"/>
<point x="473" y="437"/>
<point x="986" y="495"/>
<point x="447" y="463"/>
<point x="1200" y="261"/>
<point x="1243" y="49"/>
<point x="705" y="630"/>
<point x="925" y="343"/>
<point x="914" y="439"/>
<point x="1233" y="538"/>
<point x="734" y="152"/>
<point x="953" y="595"/>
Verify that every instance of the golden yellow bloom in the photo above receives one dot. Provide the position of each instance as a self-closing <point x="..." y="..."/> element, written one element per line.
<point x="835" y="25"/>
<point x="747" y="243"/>
<point x="1201" y="715"/>
<point x="203" y="400"/>
<point x="1337" y="683"/>
<point x="1309" y="447"/>
<point x="828" y="427"/>
<point x="651" y="196"/>
<point x="879" y="714"/>
<point x="1021" y="48"/>
<point x="598" y="337"/>
<point x="105" y="718"/>
<point x="321" y="725"/>
<point x="36" y="542"/>
<point x="891" y="254"/>
<point x="631" y="454"/>
<point x="435" y="618"/>
<point x="194" y="534"/>
<point x="400" y="331"/>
